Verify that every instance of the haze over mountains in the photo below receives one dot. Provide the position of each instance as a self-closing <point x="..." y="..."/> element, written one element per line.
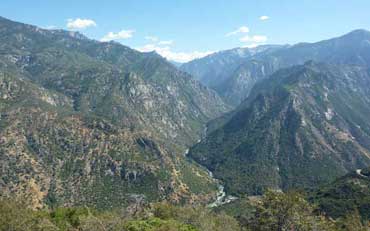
<point x="98" y="124"/>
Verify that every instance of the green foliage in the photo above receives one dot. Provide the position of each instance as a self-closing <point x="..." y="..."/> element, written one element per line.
<point x="351" y="222"/>
<point x="156" y="224"/>
<point x="158" y="217"/>
<point x="67" y="218"/>
<point x="274" y="211"/>
<point x="14" y="216"/>
<point x="290" y="211"/>
<point x="347" y="195"/>
<point x="164" y="211"/>
<point x="201" y="218"/>
<point x="193" y="175"/>
<point x="243" y="210"/>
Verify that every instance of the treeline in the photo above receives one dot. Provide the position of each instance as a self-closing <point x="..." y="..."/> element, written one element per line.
<point x="273" y="211"/>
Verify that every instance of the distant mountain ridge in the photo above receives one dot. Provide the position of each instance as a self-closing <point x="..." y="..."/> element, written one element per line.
<point x="236" y="81"/>
<point x="216" y="68"/>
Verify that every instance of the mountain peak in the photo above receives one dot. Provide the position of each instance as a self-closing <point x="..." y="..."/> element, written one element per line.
<point x="4" y="19"/>
<point x="359" y="31"/>
<point x="358" y="34"/>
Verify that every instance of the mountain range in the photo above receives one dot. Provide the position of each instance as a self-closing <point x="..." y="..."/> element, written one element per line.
<point x="233" y="73"/>
<point x="98" y="124"/>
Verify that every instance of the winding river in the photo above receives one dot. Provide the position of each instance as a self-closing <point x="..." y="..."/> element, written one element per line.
<point x="221" y="198"/>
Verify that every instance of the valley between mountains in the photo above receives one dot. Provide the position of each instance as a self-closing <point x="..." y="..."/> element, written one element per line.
<point x="99" y="125"/>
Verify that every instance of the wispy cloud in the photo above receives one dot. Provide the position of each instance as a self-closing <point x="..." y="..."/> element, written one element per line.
<point x="79" y="23"/>
<point x="152" y="38"/>
<point x="167" y="42"/>
<point x="264" y="17"/>
<point x="242" y="29"/>
<point x="155" y="39"/>
<point x="167" y="52"/>
<point x="252" y="45"/>
<point x="254" y="39"/>
<point x="123" y="34"/>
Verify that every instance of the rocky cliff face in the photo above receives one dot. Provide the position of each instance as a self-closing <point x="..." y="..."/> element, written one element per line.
<point x="84" y="122"/>
<point x="303" y="126"/>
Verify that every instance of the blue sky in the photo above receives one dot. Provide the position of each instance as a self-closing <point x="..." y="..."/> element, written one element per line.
<point x="185" y="29"/>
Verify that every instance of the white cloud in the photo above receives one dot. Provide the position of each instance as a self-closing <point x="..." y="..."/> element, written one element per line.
<point x="254" y="39"/>
<point x="242" y="29"/>
<point x="79" y="23"/>
<point x="168" y="42"/>
<point x="264" y="17"/>
<point x="123" y="34"/>
<point x="155" y="39"/>
<point x="166" y="52"/>
<point x="151" y="38"/>
<point x="252" y="45"/>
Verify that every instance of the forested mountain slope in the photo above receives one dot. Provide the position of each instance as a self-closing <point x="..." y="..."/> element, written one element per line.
<point x="303" y="126"/>
<point x="85" y="122"/>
